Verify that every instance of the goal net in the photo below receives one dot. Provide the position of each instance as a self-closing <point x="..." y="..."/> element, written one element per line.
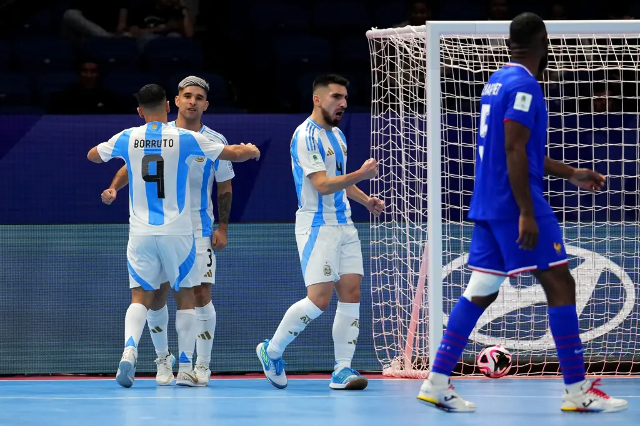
<point x="426" y="89"/>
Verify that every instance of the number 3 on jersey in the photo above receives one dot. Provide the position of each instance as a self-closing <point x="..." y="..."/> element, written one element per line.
<point x="484" y="127"/>
<point x="158" y="176"/>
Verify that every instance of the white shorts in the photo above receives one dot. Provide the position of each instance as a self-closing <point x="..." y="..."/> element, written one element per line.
<point x="328" y="252"/>
<point x="156" y="259"/>
<point x="206" y="260"/>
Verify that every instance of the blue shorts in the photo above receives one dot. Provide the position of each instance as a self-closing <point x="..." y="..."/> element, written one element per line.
<point x="494" y="249"/>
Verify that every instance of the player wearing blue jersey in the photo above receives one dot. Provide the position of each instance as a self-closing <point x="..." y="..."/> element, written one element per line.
<point x="161" y="244"/>
<point x="192" y="102"/>
<point x="328" y="243"/>
<point x="515" y="229"/>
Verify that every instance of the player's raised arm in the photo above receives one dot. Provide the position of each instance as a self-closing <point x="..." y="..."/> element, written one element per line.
<point x="105" y="151"/>
<point x="330" y="185"/>
<point x="240" y="153"/>
<point x="218" y="150"/>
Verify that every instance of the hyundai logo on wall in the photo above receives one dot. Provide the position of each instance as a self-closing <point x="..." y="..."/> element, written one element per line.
<point x="511" y="299"/>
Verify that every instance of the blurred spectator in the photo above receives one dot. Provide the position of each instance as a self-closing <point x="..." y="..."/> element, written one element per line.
<point x="150" y="19"/>
<point x="95" y="18"/>
<point x="87" y="96"/>
<point x="498" y="10"/>
<point x="603" y="100"/>
<point x="419" y="12"/>
<point x="559" y="11"/>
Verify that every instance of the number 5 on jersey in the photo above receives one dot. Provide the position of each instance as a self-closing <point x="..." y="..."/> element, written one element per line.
<point x="484" y="127"/>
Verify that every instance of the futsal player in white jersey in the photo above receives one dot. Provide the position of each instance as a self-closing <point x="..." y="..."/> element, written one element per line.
<point x="328" y="243"/>
<point x="192" y="102"/>
<point x="161" y="244"/>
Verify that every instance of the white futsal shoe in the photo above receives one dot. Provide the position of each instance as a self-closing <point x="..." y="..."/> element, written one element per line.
<point x="164" y="377"/>
<point x="188" y="378"/>
<point x="591" y="400"/>
<point x="444" y="398"/>
<point x="203" y="374"/>
<point x="126" y="374"/>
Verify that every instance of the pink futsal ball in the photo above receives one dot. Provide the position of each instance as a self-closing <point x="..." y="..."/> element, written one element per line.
<point x="494" y="361"/>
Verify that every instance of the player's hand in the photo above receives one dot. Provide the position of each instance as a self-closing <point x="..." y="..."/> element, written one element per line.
<point x="253" y="149"/>
<point x="219" y="239"/>
<point x="369" y="169"/>
<point x="109" y="195"/>
<point x="528" y="232"/>
<point x="587" y="179"/>
<point x="375" y="206"/>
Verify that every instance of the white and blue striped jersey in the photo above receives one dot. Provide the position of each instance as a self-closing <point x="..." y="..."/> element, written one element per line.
<point x="158" y="157"/>
<point x="314" y="149"/>
<point x="202" y="173"/>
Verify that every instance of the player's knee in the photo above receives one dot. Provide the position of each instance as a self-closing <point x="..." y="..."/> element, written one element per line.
<point x="202" y="294"/>
<point x="558" y="284"/>
<point x="483" y="288"/>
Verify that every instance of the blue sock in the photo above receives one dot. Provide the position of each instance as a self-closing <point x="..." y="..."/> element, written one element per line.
<point x="563" y="321"/>
<point x="463" y="318"/>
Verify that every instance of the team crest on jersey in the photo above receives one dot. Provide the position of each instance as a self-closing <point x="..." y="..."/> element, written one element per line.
<point x="327" y="270"/>
<point x="199" y="159"/>
<point x="557" y="247"/>
<point x="344" y="149"/>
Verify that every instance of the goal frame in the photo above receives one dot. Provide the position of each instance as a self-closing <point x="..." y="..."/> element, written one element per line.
<point x="431" y="264"/>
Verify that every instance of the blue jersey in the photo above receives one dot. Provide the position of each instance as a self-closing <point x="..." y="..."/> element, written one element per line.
<point x="511" y="93"/>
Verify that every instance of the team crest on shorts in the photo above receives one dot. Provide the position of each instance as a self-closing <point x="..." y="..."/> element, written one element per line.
<point x="199" y="159"/>
<point x="558" y="247"/>
<point x="327" y="270"/>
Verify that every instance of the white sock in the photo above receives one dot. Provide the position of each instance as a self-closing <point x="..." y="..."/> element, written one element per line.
<point x="297" y="317"/>
<point x="134" y="322"/>
<point x="346" y="329"/>
<point x="158" y="322"/>
<point x="575" y="387"/>
<point x="438" y="379"/>
<point x="185" y="326"/>
<point x="206" y="328"/>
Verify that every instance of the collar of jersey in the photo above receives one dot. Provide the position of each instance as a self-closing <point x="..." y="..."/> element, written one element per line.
<point x="173" y="124"/>
<point x="314" y="123"/>
<point x="515" y="64"/>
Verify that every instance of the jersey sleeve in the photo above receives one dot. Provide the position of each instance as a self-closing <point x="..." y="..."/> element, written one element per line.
<point x="522" y="101"/>
<point x="305" y="148"/>
<point x="210" y="149"/>
<point x="109" y="149"/>
<point x="223" y="169"/>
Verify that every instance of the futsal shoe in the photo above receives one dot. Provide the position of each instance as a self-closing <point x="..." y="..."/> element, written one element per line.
<point x="348" y="379"/>
<point x="591" y="400"/>
<point x="127" y="369"/>
<point x="444" y="398"/>
<point x="273" y="368"/>
<point x="164" y="377"/>
<point x="188" y="378"/>
<point x="203" y="374"/>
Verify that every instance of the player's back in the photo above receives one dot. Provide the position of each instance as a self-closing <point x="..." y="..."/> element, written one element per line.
<point x="158" y="157"/>
<point x="315" y="149"/>
<point x="512" y="93"/>
<point x="202" y="173"/>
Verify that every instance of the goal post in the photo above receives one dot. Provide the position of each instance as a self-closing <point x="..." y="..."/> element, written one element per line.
<point x="426" y="84"/>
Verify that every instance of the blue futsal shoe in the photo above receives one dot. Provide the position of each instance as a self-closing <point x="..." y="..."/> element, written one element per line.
<point x="273" y="368"/>
<point x="348" y="379"/>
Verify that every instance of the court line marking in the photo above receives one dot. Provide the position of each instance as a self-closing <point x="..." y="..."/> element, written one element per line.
<point x="104" y="398"/>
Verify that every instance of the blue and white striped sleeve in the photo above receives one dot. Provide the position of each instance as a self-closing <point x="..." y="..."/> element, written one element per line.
<point x="306" y="151"/>
<point x="210" y="148"/>
<point x="110" y="149"/>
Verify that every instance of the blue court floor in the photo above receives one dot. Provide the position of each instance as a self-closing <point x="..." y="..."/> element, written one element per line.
<point x="518" y="402"/>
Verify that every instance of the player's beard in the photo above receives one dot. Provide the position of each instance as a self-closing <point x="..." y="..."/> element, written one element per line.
<point x="330" y="120"/>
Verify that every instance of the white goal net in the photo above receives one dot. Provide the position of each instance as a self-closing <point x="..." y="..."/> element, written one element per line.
<point x="592" y="94"/>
